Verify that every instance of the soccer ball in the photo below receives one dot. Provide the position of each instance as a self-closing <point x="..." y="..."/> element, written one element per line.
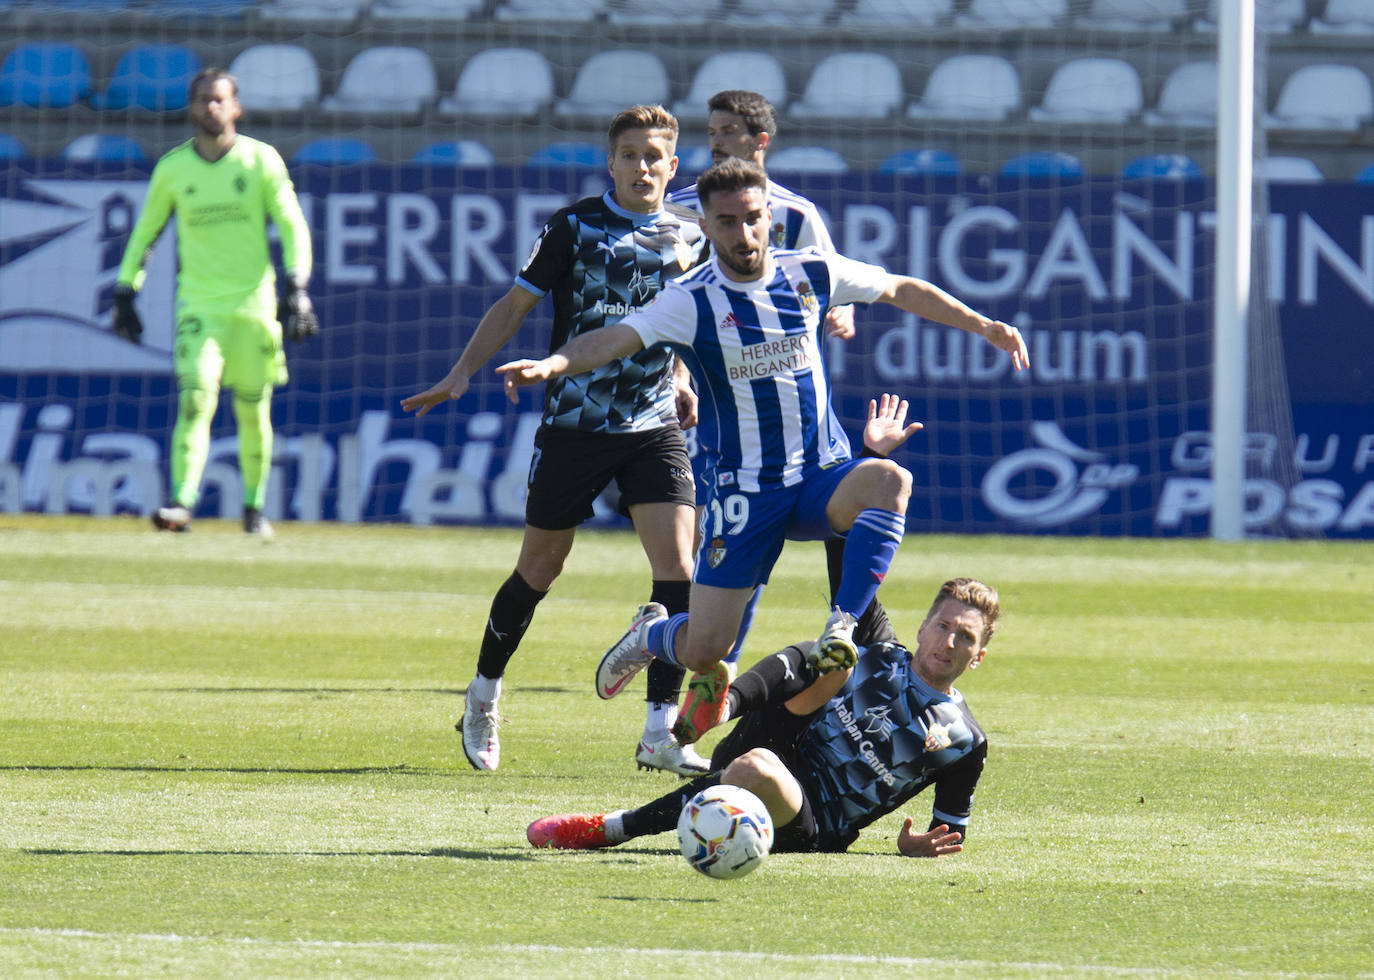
<point x="725" y="831"/>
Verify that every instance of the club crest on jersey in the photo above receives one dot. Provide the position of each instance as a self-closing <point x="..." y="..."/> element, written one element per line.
<point x="717" y="553"/>
<point x="808" y="297"/>
<point x="779" y="234"/>
<point x="937" y="738"/>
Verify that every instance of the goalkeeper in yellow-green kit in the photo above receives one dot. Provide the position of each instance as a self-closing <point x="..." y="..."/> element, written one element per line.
<point x="222" y="187"/>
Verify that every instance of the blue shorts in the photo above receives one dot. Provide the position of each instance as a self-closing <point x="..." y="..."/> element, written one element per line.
<point x="743" y="532"/>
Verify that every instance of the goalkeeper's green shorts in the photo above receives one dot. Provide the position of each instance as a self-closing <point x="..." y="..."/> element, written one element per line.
<point x="232" y="350"/>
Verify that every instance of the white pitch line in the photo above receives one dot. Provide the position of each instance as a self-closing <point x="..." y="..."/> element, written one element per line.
<point x="1040" y="968"/>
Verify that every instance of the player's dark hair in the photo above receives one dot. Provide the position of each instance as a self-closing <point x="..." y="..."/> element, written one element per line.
<point x="210" y="76"/>
<point x="641" y="117"/>
<point x="757" y="112"/>
<point x="730" y="175"/>
<point x="975" y="595"/>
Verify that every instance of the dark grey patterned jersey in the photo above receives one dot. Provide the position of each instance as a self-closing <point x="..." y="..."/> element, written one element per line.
<point x="601" y="262"/>
<point x="885" y="737"/>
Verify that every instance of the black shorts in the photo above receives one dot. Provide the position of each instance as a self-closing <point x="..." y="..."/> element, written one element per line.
<point x="571" y="468"/>
<point x="775" y="728"/>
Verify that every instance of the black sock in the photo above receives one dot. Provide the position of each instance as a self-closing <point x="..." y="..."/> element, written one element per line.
<point x="774" y="679"/>
<point x="662" y="814"/>
<point x="664" y="680"/>
<point x="511" y="612"/>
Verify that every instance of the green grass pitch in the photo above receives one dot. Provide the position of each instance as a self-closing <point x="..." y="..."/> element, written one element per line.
<point x="225" y="758"/>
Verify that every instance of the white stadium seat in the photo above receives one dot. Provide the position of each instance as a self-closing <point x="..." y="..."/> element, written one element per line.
<point x="1091" y="90"/>
<point x="1013" y="15"/>
<point x="1189" y="97"/>
<point x="780" y="13"/>
<point x="898" y="14"/>
<point x="757" y="71"/>
<point x="609" y="81"/>
<point x="970" y="86"/>
<point x="384" y="81"/>
<point x="851" y="85"/>
<point x="1337" y="97"/>
<point x="502" y="82"/>
<point x="424" y="9"/>
<point x="340" y="11"/>
<point x="1271" y="16"/>
<point x="1289" y="170"/>
<point x="657" y="12"/>
<point x="283" y="77"/>
<point x="574" y="10"/>
<point x="807" y="159"/>
<point x="1132" y="15"/>
<point x="1345" y="17"/>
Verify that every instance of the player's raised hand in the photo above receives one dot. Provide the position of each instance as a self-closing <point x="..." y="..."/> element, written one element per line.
<point x="453" y="387"/>
<point x="887" y="427"/>
<point x="126" y="319"/>
<point x="297" y="314"/>
<point x="1006" y="337"/>
<point x="936" y="841"/>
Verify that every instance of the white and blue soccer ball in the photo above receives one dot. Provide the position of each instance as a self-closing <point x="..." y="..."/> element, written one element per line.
<point x="725" y="831"/>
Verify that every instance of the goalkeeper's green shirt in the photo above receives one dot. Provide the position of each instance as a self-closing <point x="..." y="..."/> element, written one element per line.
<point x="221" y="210"/>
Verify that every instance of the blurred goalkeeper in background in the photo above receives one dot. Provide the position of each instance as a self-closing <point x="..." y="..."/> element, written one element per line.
<point x="829" y="754"/>
<point x="222" y="187"/>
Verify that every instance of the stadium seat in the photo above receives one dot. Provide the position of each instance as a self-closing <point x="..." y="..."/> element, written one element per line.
<point x="1331" y="97"/>
<point x="1365" y="176"/>
<point x="1044" y="165"/>
<point x="1013" y="15"/>
<point x="898" y="14"/>
<point x="657" y="12"/>
<point x="153" y="77"/>
<point x="1271" y="16"/>
<point x="1344" y="17"/>
<point x="1288" y="170"/>
<point x="970" y="86"/>
<point x="337" y="11"/>
<point x="924" y="163"/>
<point x="807" y="160"/>
<point x="851" y="85"/>
<point x="1132" y="15"/>
<point x="502" y="82"/>
<point x="197" y="9"/>
<point x="11" y="148"/>
<point x="574" y="10"/>
<point x="1091" y="90"/>
<point x="282" y="77"/>
<point x="1162" y="166"/>
<point x="600" y="87"/>
<point x="456" y="153"/>
<point x="45" y="75"/>
<point x="780" y="13"/>
<point x="385" y="80"/>
<point x="329" y="152"/>
<point x="1189" y="97"/>
<point x="569" y="153"/>
<point x="757" y="71"/>
<point x="436" y="10"/>
<point x="103" y="146"/>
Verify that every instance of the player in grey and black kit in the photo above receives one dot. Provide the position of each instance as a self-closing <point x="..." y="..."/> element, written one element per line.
<point x="600" y="258"/>
<point x="829" y="754"/>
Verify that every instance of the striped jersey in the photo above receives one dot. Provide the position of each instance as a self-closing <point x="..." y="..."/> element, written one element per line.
<point x="221" y="210"/>
<point x="601" y="262"/>
<point x="755" y="351"/>
<point x="884" y="738"/>
<point x="796" y="221"/>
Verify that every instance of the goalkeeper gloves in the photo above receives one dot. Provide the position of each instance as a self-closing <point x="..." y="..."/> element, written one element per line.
<point x="297" y="314"/>
<point x="126" y="320"/>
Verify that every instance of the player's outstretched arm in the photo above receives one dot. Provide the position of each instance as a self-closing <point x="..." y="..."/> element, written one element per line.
<point x="887" y="426"/>
<point x="581" y="354"/>
<point x="498" y="326"/>
<point x="930" y="302"/>
<point x="935" y="842"/>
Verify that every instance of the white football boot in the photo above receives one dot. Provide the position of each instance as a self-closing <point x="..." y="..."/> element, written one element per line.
<point x="481" y="744"/>
<point x="630" y="654"/>
<point x="835" y="650"/>
<point x="669" y="755"/>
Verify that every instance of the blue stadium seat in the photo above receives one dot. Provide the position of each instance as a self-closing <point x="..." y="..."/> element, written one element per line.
<point x="1044" y="165"/>
<point x="11" y="148"/>
<point x="331" y="152"/>
<point x="1162" y="166"/>
<point x="456" y="153"/>
<point x="154" y="77"/>
<point x="104" y="146"/>
<point x="929" y="163"/>
<point x="45" y="75"/>
<point x="569" y="154"/>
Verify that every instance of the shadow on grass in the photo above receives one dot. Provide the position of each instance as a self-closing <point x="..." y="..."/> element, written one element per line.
<point x="397" y="770"/>
<point x="454" y="691"/>
<point x="437" y="852"/>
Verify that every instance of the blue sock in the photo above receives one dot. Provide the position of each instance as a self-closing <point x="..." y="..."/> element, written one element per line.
<point x="662" y="638"/>
<point x="746" y="621"/>
<point x="868" y="552"/>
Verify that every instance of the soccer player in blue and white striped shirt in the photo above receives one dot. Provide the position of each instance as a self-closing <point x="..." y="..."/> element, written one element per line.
<point x="747" y="324"/>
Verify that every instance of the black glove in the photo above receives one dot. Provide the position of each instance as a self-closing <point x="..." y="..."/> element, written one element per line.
<point x="126" y="321"/>
<point x="297" y="314"/>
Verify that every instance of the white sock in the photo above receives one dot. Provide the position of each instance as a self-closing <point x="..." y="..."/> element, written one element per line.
<point x="485" y="689"/>
<point x="658" y="720"/>
<point x="615" y="827"/>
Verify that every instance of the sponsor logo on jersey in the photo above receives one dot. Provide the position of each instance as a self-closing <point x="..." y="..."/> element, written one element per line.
<point x="788" y="354"/>
<point x="863" y="744"/>
<point x="614" y="309"/>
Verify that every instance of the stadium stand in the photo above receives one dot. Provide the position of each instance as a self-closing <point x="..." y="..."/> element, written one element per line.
<point x="1013" y="15"/>
<point x="970" y="86"/>
<point x="598" y="91"/>
<point x="652" y="12"/>
<point x="502" y="82"/>
<point x="11" y="148"/>
<point x="1132" y="15"/>
<point x="1365" y="176"/>
<point x="335" y="151"/>
<point x="1189" y="97"/>
<point x="455" y="153"/>
<point x="1162" y="166"/>
<point x="1091" y="90"/>
<point x="277" y="77"/>
<point x="903" y="14"/>
<point x="104" y="146"/>
<point x="1050" y="165"/>
<point x="425" y="10"/>
<point x="1344" y="17"/>
<point x="1289" y="170"/>
<point x="851" y="85"/>
<point x="384" y="81"/>
<point x="45" y="75"/>
<point x="568" y="153"/>
<point x="922" y="163"/>
<point x="1271" y="16"/>
<point x="780" y="13"/>
<point x="758" y="71"/>
<point x="1335" y="97"/>
<point x="556" y="10"/>
<point x="153" y="77"/>
<point x="322" y="11"/>
<point x="807" y="160"/>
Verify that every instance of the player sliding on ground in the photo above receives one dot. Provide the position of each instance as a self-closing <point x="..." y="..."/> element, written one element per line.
<point x="747" y="325"/>
<point x="829" y="754"/>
